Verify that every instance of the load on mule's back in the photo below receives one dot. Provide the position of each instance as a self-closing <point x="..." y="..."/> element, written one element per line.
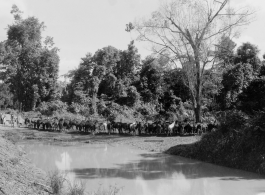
<point x="6" y="118"/>
<point x="11" y="119"/>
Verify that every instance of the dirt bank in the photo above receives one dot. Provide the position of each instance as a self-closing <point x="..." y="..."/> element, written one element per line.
<point x="17" y="174"/>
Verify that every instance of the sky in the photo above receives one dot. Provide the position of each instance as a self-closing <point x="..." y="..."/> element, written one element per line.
<point x="82" y="26"/>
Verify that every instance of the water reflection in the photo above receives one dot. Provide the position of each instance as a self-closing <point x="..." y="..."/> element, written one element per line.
<point x="65" y="162"/>
<point x="142" y="172"/>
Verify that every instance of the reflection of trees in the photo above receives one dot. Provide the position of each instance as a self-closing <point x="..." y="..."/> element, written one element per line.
<point x="96" y="163"/>
<point x="65" y="163"/>
<point x="156" y="166"/>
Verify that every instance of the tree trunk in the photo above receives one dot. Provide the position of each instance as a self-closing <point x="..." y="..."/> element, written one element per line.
<point x="197" y="112"/>
<point x="94" y="104"/>
<point x="197" y="107"/>
<point x="198" y="88"/>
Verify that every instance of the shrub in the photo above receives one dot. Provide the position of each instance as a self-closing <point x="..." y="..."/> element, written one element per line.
<point x="101" y="106"/>
<point x="146" y="109"/>
<point x="56" y="182"/>
<point x="77" y="108"/>
<point x="232" y="120"/>
<point x="31" y="114"/>
<point x="49" y="108"/>
<point x="133" y="97"/>
<point x="252" y="98"/>
<point x="257" y="122"/>
<point x="77" y="188"/>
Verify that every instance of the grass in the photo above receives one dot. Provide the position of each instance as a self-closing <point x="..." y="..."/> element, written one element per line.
<point x="13" y="137"/>
<point x="77" y="188"/>
<point x="56" y="182"/>
<point x="14" y="160"/>
<point x="112" y="190"/>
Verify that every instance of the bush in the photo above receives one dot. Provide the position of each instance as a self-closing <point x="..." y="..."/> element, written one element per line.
<point x="101" y="106"/>
<point x="49" y="108"/>
<point x="257" y="122"/>
<point x="146" y="109"/>
<point x="252" y="98"/>
<point x="238" y="144"/>
<point x="56" y="182"/>
<point x="232" y="120"/>
<point x="133" y="97"/>
<point x="31" y="114"/>
<point x="77" y="108"/>
<point x="77" y="188"/>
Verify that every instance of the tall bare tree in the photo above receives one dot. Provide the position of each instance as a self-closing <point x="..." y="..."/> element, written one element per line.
<point x="188" y="31"/>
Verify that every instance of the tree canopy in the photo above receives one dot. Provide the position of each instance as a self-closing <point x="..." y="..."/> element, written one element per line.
<point x="31" y="67"/>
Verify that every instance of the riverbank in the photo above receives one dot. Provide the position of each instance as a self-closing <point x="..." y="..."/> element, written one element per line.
<point x="238" y="151"/>
<point x="17" y="174"/>
<point x="149" y="143"/>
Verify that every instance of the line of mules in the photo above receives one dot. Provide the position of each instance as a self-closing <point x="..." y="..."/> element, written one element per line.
<point x="135" y="128"/>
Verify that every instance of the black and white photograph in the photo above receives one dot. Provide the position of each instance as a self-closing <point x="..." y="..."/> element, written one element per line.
<point x="132" y="97"/>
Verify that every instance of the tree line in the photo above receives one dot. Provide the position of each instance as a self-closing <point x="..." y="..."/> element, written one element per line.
<point x="188" y="69"/>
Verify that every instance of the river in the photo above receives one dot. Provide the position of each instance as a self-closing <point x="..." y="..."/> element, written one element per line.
<point x="141" y="172"/>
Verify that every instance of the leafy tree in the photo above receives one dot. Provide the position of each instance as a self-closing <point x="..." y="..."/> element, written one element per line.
<point x="133" y="97"/>
<point x="129" y="62"/>
<point x="212" y="86"/>
<point x="78" y="88"/>
<point x="108" y="57"/>
<point x="52" y="107"/>
<point x="170" y="101"/>
<point x="6" y="97"/>
<point x="252" y="98"/>
<point x="94" y="83"/>
<point x="115" y="71"/>
<point x="151" y="79"/>
<point x="97" y="75"/>
<point x="225" y="52"/>
<point x="107" y="85"/>
<point x="30" y="69"/>
<point x="235" y="80"/>
<point x="262" y="71"/>
<point x="120" y="89"/>
<point x="174" y="80"/>
<point x="248" y="53"/>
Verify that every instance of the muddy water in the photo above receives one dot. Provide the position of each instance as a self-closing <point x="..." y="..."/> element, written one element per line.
<point x="143" y="173"/>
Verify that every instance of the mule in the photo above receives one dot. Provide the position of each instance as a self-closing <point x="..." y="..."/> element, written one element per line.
<point x="170" y="128"/>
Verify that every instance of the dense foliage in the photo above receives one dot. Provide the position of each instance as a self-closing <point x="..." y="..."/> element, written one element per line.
<point x="31" y="68"/>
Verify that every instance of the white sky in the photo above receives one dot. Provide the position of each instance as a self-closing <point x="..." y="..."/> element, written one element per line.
<point x="82" y="26"/>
